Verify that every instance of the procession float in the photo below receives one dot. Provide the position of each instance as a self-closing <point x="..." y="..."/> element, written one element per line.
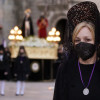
<point x="38" y="49"/>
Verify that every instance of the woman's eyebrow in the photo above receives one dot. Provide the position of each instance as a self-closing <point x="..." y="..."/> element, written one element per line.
<point x="77" y="38"/>
<point x="88" y="37"/>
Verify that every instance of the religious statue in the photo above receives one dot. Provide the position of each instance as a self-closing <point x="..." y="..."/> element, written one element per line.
<point x="27" y="26"/>
<point x="42" y="25"/>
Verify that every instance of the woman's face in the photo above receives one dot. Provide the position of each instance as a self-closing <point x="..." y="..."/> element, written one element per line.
<point x="21" y="50"/>
<point x="84" y="35"/>
<point x="27" y="15"/>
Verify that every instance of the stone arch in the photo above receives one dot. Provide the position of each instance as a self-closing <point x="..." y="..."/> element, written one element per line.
<point x="56" y="18"/>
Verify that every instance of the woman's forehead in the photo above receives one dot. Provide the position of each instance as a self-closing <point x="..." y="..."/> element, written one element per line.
<point x="84" y="32"/>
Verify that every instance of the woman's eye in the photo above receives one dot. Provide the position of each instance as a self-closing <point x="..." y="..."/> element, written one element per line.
<point x="77" y="41"/>
<point x="87" y="40"/>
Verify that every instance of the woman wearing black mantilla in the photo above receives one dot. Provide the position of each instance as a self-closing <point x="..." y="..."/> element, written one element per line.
<point x="78" y="75"/>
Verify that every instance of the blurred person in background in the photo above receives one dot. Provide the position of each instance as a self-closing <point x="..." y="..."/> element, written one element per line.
<point x="21" y="70"/>
<point x="8" y="55"/>
<point x="4" y="69"/>
<point x="59" y="60"/>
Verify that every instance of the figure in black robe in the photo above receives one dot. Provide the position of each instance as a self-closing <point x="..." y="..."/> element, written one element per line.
<point x="27" y="26"/>
<point x="8" y="55"/>
<point x="21" y="70"/>
<point x="4" y="69"/>
<point x="58" y="61"/>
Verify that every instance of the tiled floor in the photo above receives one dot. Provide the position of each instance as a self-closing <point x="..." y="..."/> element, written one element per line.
<point x="33" y="91"/>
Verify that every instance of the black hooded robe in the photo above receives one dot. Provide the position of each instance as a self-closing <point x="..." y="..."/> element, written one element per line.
<point x="22" y="68"/>
<point x="4" y="67"/>
<point x="68" y="84"/>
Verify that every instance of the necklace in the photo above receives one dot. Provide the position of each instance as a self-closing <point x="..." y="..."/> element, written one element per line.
<point x="86" y="90"/>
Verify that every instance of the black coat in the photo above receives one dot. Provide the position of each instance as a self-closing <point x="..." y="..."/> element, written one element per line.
<point x="68" y="84"/>
<point x="31" y="27"/>
<point x="22" y="67"/>
<point x="8" y="54"/>
<point x="4" y="67"/>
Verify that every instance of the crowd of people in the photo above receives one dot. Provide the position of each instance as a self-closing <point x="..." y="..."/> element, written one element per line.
<point x="20" y="71"/>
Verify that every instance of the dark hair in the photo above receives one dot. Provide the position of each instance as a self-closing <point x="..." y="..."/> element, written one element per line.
<point x="2" y="48"/>
<point x="19" y="53"/>
<point x="42" y="17"/>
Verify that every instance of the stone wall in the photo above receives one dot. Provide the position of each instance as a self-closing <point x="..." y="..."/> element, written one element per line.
<point x="7" y="19"/>
<point x="12" y="13"/>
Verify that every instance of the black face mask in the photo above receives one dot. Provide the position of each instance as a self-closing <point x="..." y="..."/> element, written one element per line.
<point x="85" y="50"/>
<point x="21" y="54"/>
